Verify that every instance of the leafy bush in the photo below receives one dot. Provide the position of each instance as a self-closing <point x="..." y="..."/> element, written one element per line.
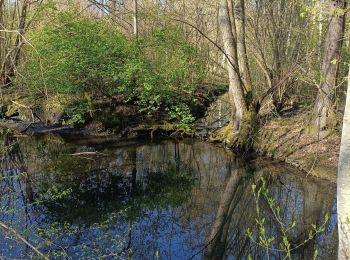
<point x="77" y="54"/>
<point x="80" y="57"/>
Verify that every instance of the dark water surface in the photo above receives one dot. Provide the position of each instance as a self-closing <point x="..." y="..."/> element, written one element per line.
<point x="152" y="200"/>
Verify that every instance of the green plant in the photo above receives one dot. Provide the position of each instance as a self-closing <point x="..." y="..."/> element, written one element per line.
<point x="183" y="116"/>
<point x="261" y="192"/>
<point x="78" y="57"/>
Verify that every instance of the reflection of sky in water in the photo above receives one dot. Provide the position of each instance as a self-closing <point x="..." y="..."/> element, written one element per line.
<point x="176" y="231"/>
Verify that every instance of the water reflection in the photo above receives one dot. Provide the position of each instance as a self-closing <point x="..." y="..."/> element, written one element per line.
<point x="178" y="200"/>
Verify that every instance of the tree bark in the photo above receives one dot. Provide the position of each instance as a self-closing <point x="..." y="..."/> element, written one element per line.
<point x="11" y="55"/>
<point x="343" y="184"/>
<point x="324" y="110"/>
<point x="2" y="44"/>
<point x="236" y="93"/>
<point x="136" y="20"/>
<point x="239" y="15"/>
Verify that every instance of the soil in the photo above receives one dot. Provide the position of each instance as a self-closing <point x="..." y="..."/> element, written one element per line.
<point x="291" y="139"/>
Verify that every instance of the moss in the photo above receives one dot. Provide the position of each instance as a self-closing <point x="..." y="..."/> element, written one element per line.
<point x="228" y="136"/>
<point x="319" y="166"/>
<point x="169" y="127"/>
<point x="22" y="107"/>
<point x="55" y="102"/>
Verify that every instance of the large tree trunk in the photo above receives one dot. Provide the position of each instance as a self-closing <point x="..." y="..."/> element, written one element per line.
<point x="239" y="16"/>
<point x="236" y="93"/>
<point x="343" y="183"/>
<point x="324" y="110"/>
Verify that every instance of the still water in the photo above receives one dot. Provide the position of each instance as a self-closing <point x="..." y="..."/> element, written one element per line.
<point x="166" y="199"/>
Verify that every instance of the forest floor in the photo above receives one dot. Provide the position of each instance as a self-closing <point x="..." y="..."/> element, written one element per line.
<point x="290" y="138"/>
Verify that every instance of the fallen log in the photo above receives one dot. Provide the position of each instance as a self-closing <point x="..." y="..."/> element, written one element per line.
<point x="34" y="128"/>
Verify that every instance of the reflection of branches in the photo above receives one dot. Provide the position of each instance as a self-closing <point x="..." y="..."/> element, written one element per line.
<point x="14" y="232"/>
<point x="264" y="240"/>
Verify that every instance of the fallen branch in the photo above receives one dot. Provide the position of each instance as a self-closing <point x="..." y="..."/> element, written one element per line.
<point x="86" y="153"/>
<point x="24" y="106"/>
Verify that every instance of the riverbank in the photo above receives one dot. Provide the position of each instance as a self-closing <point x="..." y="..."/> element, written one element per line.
<point x="290" y="139"/>
<point x="287" y="138"/>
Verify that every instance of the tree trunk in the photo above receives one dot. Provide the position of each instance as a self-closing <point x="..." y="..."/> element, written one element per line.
<point x="236" y="93"/>
<point x="239" y="15"/>
<point x="136" y="20"/>
<point x="2" y="44"/>
<point x="11" y="56"/>
<point x="343" y="183"/>
<point x="324" y="110"/>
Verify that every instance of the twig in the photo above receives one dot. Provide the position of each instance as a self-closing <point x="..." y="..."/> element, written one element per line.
<point x="23" y="240"/>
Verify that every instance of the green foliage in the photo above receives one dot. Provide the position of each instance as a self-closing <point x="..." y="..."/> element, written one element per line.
<point x="183" y="115"/>
<point x="75" y="111"/>
<point x="78" y="56"/>
<point x="261" y="192"/>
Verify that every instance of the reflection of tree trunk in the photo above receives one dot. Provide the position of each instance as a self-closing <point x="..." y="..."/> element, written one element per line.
<point x="177" y="156"/>
<point x="313" y="200"/>
<point x="129" y="247"/>
<point x="129" y="168"/>
<point x="217" y="239"/>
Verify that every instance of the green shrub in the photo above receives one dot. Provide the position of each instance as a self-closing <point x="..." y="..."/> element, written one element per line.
<point x="79" y="56"/>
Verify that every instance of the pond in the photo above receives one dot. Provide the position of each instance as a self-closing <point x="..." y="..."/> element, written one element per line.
<point x="165" y="199"/>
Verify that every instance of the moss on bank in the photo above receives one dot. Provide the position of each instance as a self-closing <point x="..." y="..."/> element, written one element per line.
<point x="289" y="139"/>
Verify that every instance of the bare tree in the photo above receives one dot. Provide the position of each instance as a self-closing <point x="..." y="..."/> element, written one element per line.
<point x="14" y="23"/>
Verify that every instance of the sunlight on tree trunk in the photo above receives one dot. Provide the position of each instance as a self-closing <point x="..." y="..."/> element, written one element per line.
<point x="136" y="18"/>
<point x="324" y="110"/>
<point x="241" y="44"/>
<point x="343" y="182"/>
<point x="239" y="107"/>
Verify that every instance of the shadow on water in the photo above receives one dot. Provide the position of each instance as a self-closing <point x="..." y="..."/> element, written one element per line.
<point x="176" y="200"/>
